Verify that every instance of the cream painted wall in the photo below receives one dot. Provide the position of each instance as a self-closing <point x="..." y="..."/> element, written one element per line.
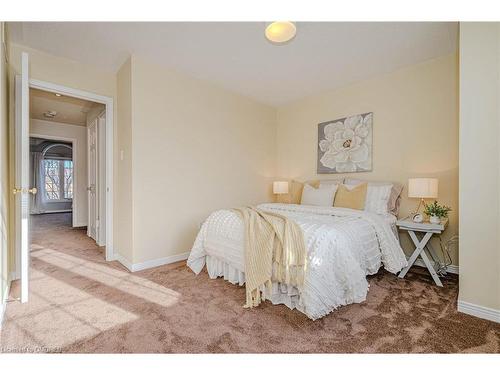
<point x="479" y="164"/>
<point x="54" y="129"/>
<point x="123" y="211"/>
<point x="415" y="130"/>
<point x="64" y="72"/>
<point x="4" y="172"/>
<point x="195" y="149"/>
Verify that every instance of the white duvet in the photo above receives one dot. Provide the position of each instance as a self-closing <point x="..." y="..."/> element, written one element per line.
<point x="343" y="246"/>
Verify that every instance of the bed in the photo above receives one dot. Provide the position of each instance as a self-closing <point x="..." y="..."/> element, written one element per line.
<point x="343" y="247"/>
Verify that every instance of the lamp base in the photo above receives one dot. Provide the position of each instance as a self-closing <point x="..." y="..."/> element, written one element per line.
<point x="416" y="216"/>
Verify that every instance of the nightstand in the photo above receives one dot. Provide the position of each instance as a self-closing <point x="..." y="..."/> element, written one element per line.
<point x="422" y="245"/>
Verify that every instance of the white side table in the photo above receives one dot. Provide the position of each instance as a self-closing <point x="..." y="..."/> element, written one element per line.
<point x="422" y="245"/>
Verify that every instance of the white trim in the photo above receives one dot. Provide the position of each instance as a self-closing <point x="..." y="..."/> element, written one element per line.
<point x="450" y="269"/>
<point x="150" y="263"/>
<point x="57" y="212"/>
<point x="479" y="311"/>
<point x="74" y="146"/>
<point x="64" y="90"/>
<point x="124" y="261"/>
<point x="3" y="305"/>
<point x="64" y="200"/>
<point x="159" y="262"/>
<point x="108" y="102"/>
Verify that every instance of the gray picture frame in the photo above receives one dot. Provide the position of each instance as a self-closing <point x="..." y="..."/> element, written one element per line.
<point x="345" y="145"/>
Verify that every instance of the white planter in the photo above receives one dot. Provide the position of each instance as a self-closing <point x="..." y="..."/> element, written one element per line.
<point x="434" y="220"/>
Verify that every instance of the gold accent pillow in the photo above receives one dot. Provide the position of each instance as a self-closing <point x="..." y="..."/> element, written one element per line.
<point x="354" y="198"/>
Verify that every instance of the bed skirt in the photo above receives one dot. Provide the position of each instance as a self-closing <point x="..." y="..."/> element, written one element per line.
<point x="280" y="294"/>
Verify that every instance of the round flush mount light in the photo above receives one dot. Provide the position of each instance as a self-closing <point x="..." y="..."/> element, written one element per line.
<point x="280" y="32"/>
<point x="58" y="95"/>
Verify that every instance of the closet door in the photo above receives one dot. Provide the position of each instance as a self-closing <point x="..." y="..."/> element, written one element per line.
<point x="92" y="149"/>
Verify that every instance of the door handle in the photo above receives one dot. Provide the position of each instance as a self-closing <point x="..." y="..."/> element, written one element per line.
<point x="17" y="191"/>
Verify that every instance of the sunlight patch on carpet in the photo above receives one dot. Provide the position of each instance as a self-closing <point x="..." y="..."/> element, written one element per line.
<point x="64" y="315"/>
<point x="122" y="281"/>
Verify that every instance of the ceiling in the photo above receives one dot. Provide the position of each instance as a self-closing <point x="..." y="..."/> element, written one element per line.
<point x="69" y="110"/>
<point x="236" y="56"/>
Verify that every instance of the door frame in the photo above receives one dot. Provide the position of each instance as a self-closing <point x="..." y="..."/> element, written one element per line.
<point x="109" y="134"/>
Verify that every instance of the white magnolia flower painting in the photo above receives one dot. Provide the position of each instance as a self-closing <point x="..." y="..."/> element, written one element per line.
<point x="345" y="145"/>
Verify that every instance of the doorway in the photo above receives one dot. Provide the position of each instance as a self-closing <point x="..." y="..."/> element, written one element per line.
<point x="65" y="152"/>
<point x="22" y="188"/>
<point x="99" y="134"/>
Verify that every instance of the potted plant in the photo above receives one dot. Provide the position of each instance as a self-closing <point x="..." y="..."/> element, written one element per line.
<point x="436" y="212"/>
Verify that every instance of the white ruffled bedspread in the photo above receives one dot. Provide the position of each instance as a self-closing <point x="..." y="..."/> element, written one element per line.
<point x="343" y="246"/>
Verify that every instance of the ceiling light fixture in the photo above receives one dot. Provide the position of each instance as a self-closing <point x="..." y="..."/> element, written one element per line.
<point x="280" y="32"/>
<point x="58" y="95"/>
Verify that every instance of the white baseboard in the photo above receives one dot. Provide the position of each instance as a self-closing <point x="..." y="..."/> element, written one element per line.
<point x="51" y="212"/>
<point x="124" y="261"/>
<point x="450" y="269"/>
<point x="134" y="267"/>
<point x="159" y="262"/>
<point x="3" y="305"/>
<point x="479" y="311"/>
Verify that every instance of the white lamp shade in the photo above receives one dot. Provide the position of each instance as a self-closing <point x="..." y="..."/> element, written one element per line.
<point x="423" y="188"/>
<point x="280" y="187"/>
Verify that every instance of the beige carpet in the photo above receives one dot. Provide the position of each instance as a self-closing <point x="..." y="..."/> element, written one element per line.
<point x="80" y="303"/>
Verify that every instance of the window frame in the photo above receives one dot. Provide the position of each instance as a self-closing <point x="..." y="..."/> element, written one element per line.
<point x="61" y="161"/>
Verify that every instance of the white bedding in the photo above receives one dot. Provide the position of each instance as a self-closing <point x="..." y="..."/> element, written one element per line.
<point x="343" y="246"/>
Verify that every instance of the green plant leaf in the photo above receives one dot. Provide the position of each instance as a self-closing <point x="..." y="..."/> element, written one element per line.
<point x="435" y="209"/>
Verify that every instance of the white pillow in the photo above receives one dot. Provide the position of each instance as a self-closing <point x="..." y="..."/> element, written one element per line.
<point x="377" y="198"/>
<point x="323" y="196"/>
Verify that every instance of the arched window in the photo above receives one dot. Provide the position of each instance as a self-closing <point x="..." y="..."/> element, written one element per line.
<point x="57" y="174"/>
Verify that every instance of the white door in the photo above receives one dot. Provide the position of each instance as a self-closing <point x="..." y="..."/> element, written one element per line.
<point x="101" y="177"/>
<point x="22" y="189"/>
<point x="92" y="180"/>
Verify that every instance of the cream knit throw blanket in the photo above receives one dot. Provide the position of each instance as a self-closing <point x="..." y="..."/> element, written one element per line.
<point x="274" y="251"/>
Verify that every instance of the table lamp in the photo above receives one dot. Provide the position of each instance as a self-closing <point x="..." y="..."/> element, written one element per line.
<point x="280" y="187"/>
<point x="422" y="188"/>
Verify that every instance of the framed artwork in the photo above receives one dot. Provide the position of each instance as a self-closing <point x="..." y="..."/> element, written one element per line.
<point x="345" y="145"/>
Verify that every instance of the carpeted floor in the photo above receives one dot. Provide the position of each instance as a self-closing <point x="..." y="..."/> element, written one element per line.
<point x="80" y="303"/>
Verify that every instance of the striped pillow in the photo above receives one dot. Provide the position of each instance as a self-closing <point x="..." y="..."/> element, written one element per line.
<point x="377" y="197"/>
<point x="395" y="197"/>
